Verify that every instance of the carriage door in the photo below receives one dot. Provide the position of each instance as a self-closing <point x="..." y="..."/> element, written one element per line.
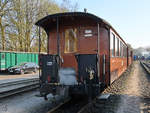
<point x="104" y="56"/>
<point x="69" y="47"/>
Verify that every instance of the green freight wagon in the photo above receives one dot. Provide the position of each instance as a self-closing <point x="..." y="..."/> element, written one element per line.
<point x="9" y="59"/>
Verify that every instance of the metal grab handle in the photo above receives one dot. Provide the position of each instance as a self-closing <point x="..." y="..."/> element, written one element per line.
<point x="104" y="70"/>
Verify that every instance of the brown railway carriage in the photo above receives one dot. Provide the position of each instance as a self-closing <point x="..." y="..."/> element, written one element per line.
<point x="86" y="44"/>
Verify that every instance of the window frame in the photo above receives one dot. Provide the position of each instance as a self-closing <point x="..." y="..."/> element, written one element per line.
<point x="67" y="42"/>
<point x="112" y="44"/>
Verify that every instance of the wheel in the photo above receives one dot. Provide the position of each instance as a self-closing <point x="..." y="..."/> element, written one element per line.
<point x="35" y="70"/>
<point x="21" y="72"/>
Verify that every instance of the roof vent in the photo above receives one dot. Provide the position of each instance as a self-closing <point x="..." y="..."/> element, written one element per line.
<point x="85" y="10"/>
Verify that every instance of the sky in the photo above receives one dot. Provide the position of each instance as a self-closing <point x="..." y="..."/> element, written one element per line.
<point x="130" y="18"/>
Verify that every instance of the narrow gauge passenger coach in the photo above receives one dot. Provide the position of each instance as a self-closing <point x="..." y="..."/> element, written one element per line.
<point x="85" y="54"/>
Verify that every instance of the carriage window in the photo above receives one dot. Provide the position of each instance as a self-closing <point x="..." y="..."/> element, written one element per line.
<point x="121" y="49"/>
<point x="129" y="53"/>
<point x="116" y="46"/>
<point x="112" y="41"/>
<point x="125" y="51"/>
<point x="70" y="40"/>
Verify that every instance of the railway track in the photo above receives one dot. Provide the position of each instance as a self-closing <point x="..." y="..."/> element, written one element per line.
<point x="103" y="103"/>
<point x="114" y="102"/>
<point x="11" y="88"/>
<point x="70" y="105"/>
<point x="146" y="66"/>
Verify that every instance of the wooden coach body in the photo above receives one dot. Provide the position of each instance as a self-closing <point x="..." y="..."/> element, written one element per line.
<point x="76" y="34"/>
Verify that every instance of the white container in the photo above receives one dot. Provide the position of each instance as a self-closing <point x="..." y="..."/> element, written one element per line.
<point x="67" y="76"/>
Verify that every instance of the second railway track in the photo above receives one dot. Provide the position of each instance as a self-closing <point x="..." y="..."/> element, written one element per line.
<point x="146" y="66"/>
<point x="15" y="87"/>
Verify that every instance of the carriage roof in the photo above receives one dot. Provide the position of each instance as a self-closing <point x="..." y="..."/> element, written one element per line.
<point x="47" y="21"/>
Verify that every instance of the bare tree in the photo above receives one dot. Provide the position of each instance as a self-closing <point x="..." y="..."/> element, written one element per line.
<point x="4" y="8"/>
<point x="22" y="34"/>
<point x="67" y="5"/>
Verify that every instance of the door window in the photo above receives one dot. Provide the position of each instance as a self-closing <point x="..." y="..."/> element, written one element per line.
<point x="112" y="41"/>
<point x="70" y="40"/>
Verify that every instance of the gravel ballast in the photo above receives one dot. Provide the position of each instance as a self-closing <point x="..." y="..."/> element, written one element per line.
<point x="128" y="94"/>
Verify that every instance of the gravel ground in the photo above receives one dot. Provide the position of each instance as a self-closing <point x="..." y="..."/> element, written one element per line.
<point x="132" y="90"/>
<point x="128" y="94"/>
<point x="28" y="103"/>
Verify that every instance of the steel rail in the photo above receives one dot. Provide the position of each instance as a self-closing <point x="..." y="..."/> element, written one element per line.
<point x="18" y="82"/>
<point x="145" y="66"/>
<point x="26" y="86"/>
<point x="53" y="110"/>
<point x="71" y="105"/>
<point x="83" y="108"/>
